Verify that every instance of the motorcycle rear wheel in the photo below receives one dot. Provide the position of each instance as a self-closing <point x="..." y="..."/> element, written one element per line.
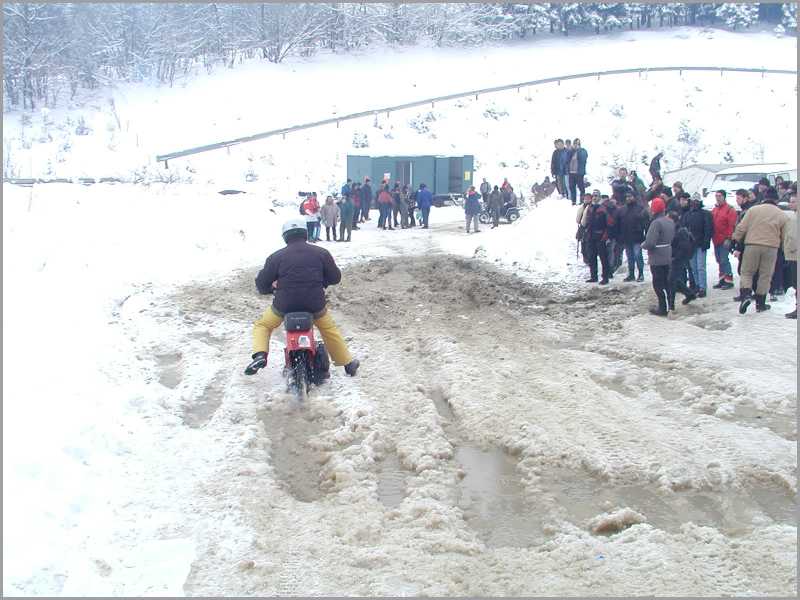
<point x="300" y="376"/>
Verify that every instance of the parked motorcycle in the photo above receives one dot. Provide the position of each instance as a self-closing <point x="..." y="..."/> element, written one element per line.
<point x="509" y="213"/>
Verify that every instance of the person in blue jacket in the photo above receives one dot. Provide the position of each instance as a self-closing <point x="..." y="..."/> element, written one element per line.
<point x="346" y="188"/>
<point x="424" y="202"/>
<point x="472" y="208"/>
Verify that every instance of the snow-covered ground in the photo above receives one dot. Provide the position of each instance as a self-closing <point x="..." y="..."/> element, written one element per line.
<point x="139" y="460"/>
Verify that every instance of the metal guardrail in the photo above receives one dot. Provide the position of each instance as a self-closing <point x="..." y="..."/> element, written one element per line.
<point x="432" y="101"/>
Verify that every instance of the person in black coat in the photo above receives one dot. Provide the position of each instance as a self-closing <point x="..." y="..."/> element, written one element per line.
<point x="621" y="187"/>
<point x="682" y="250"/>
<point x="655" y="166"/>
<point x="297" y="276"/>
<point x="595" y="222"/>
<point x="556" y="167"/>
<point x="366" y="200"/>
<point x="657" y="188"/>
<point x="632" y="221"/>
<point x="700" y="224"/>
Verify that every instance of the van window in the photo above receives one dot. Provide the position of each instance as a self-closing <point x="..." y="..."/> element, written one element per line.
<point x="744" y="177"/>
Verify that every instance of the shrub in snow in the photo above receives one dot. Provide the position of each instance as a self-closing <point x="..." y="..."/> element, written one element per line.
<point x="494" y="113"/>
<point x="617" y="110"/>
<point x="779" y="30"/>
<point x="419" y="125"/>
<point x="82" y="128"/>
<point x="360" y="140"/>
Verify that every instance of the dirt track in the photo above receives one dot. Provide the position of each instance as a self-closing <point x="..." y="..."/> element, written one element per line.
<point x="492" y="420"/>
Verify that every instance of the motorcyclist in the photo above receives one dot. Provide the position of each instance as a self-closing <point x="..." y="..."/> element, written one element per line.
<point x="297" y="275"/>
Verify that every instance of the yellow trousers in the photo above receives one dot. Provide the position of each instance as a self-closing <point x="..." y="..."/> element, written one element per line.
<point x="334" y="342"/>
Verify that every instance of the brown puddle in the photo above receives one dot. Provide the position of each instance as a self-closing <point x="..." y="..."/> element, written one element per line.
<point x="493" y="499"/>
<point x="297" y="464"/>
<point x="579" y="498"/>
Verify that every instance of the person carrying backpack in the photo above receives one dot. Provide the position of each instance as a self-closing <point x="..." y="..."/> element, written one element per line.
<point x="682" y="250"/>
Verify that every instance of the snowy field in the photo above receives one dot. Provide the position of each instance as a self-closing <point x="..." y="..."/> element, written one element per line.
<point x="513" y="431"/>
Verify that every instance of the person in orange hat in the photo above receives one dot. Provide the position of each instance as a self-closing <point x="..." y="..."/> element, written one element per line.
<point x="658" y="244"/>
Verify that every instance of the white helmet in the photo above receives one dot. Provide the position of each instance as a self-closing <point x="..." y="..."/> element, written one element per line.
<point x="294" y="226"/>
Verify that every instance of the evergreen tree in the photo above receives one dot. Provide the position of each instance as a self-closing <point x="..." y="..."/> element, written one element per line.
<point x="790" y="16"/>
<point x="738" y="16"/>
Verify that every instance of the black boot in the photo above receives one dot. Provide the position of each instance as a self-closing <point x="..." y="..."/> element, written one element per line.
<point x="351" y="367"/>
<point x="661" y="311"/>
<point x="791" y="315"/>
<point x="630" y="277"/>
<point x="746" y="297"/>
<point x="259" y="362"/>
<point x="689" y="297"/>
<point x="761" y="303"/>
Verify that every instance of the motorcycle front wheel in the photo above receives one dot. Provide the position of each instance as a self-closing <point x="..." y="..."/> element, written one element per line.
<point x="485" y="218"/>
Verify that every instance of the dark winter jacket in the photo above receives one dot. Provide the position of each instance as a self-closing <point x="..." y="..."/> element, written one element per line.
<point x="655" y="165"/>
<point x="596" y="223"/>
<point x="613" y="224"/>
<point x="621" y="188"/>
<point x="658" y="241"/>
<point x="424" y="199"/>
<point x="557" y="162"/>
<point x="698" y="222"/>
<point x="632" y="220"/>
<point x="674" y="204"/>
<point x="472" y="206"/>
<point x="496" y="200"/>
<point x="564" y="158"/>
<point x="366" y="195"/>
<point x="656" y="192"/>
<point x="346" y="190"/>
<point x="682" y="246"/>
<point x="346" y="210"/>
<point x="302" y="271"/>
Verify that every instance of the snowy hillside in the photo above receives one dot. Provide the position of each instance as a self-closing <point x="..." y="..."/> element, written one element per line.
<point x="513" y="430"/>
<point x="621" y="119"/>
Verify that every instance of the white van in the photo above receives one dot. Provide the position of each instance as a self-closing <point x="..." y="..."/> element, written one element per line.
<point x="746" y="177"/>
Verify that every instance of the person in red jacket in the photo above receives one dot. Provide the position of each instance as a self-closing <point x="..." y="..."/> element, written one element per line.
<point x="385" y="207"/>
<point x="723" y="215"/>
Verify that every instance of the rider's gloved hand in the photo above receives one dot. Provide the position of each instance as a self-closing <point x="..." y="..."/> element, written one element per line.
<point x="259" y="362"/>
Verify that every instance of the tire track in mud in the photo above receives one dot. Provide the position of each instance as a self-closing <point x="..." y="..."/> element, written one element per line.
<point x="433" y="298"/>
<point x="471" y="391"/>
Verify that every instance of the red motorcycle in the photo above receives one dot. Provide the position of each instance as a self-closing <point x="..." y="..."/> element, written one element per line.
<point x="307" y="361"/>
